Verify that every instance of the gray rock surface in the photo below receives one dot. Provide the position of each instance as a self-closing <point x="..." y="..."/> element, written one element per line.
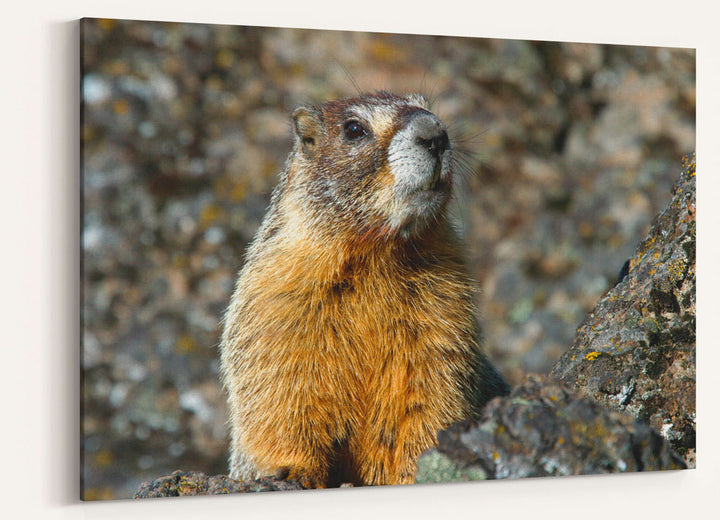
<point x="635" y="351"/>
<point x="191" y="483"/>
<point x="543" y="429"/>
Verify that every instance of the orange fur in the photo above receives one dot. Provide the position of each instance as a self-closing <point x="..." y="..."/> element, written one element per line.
<point x="362" y="364"/>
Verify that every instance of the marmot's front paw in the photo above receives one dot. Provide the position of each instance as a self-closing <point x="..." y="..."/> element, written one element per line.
<point x="303" y="476"/>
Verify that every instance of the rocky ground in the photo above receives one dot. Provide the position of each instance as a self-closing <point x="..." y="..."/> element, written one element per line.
<point x="570" y="150"/>
<point x="544" y="430"/>
<point x="635" y="352"/>
<point x="186" y="483"/>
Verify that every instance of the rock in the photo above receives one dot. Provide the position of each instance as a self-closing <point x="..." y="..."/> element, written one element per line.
<point x="435" y="466"/>
<point x="183" y="483"/>
<point x="635" y="352"/>
<point x="543" y="429"/>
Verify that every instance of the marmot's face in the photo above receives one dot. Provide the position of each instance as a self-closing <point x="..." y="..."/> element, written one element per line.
<point x="378" y="163"/>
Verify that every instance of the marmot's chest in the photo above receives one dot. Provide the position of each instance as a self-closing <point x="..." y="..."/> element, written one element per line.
<point x="385" y="315"/>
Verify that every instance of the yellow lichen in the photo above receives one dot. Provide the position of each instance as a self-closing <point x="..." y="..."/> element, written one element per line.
<point x="121" y="107"/>
<point x="384" y="51"/>
<point x="107" y="24"/>
<point x="99" y="493"/>
<point x="210" y="214"/>
<point x="225" y="58"/>
<point x="104" y="459"/>
<point x="592" y="356"/>
<point x="185" y="344"/>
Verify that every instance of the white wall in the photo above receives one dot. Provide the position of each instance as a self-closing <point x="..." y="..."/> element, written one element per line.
<point x="39" y="197"/>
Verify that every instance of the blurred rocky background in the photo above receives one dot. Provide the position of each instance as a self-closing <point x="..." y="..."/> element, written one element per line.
<point x="569" y="151"/>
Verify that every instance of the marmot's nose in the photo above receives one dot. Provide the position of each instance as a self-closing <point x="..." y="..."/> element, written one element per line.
<point x="436" y="145"/>
<point x="430" y="133"/>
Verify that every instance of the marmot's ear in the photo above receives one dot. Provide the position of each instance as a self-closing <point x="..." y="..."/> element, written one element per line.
<point x="307" y="122"/>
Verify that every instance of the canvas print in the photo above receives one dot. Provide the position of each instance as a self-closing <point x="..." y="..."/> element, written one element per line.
<point x="320" y="259"/>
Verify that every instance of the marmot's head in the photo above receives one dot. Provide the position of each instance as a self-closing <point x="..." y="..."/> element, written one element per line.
<point x="378" y="165"/>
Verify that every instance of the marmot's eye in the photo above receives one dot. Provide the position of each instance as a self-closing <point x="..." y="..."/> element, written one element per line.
<point x="354" y="130"/>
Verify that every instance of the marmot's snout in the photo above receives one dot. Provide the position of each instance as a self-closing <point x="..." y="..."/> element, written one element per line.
<point x="431" y="136"/>
<point x="430" y="133"/>
<point x="419" y="159"/>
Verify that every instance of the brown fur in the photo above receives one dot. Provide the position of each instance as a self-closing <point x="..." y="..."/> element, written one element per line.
<point x="347" y="348"/>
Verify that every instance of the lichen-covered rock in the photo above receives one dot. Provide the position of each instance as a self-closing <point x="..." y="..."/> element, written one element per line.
<point x="435" y="466"/>
<point x="543" y="429"/>
<point x="185" y="483"/>
<point x="635" y="351"/>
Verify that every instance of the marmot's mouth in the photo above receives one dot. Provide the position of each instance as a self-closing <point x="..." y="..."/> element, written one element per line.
<point x="434" y="182"/>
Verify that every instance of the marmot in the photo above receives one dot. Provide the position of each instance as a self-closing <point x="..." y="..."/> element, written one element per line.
<point x="350" y="340"/>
